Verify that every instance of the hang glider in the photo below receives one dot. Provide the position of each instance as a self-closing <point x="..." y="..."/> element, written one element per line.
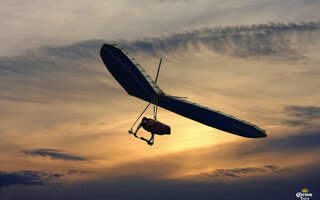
<point x="132" y="77"/>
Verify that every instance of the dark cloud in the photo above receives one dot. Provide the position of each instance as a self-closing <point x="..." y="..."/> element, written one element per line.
<point x="272" y="187"/>
<point x="273" y="168"/>
<point x="73" y="171"/>
<point x="26" y="178"/>
<point x="56" y="176"/>
<point x="238" y="172"/>
<point x="274" y="181"/>
<point x="276" y="187"/>
<point x="21" y="178"/>
<point x="54" y="154"/>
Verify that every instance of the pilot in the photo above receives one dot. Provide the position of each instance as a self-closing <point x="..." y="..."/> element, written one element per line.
<point x="154" y="127"/>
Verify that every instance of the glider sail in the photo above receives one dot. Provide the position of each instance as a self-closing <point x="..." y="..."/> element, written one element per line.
<point x="210" y="117"/>
<point x="129" y="73"/>
<point x="132" y="77"/>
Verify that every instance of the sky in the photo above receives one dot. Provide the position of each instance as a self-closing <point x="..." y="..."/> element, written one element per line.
<point x="65" y="120"/>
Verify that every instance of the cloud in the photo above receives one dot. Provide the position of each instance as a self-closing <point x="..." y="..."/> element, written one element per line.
<point x="261" y="40"/>
<point x="26" y="26"/>
<point x="26" y="178"/>
<point x="301" y="142"/>
<point x="239" y="172"/>
<point x="264" y="187"/>
<point x="60" y="74"/>
<point x="56" y="176"/>
<point x="34" y="178"/>
<point x="244" y="41"/>
<point x="85" y="50"/>
<point x="144" y="187"/>
<point x="304" y="116"/>
<point x="143" y="180"/>
<point x="273" y="154"/>
<point x="296" y="123"/>
<point x="21" y="178"/>
<point x="274" y="168"/>
<point x="236" y="172"/>
<point x="54" y="155"/>
<point x="303" y="112"/>
<point x="73" y="171"/>
<point x="68" y="59"/>
<point x="55" y="75"/>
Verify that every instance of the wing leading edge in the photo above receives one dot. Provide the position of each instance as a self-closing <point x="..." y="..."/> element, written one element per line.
<point x="138" y="83"/>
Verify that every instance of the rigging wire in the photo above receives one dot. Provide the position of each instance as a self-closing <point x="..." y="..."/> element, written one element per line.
<point x="142" y="113"/>
<point x="154" y="100"/>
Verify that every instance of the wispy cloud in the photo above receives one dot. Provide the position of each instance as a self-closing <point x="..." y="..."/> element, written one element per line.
<point x="54" y="155"/>
<point x="261" y="40"/>
<point x="55" y="75"/>
<point x="273" y="39"/>
<point x="236" y="172"/>
<point x="305" y="116"/>
<point x="64" y="73"/>
<point x="303" y="112"/>
<point x="25" y="26"/>
<point x="239" y="172"/>
<point x="305" y="141"/>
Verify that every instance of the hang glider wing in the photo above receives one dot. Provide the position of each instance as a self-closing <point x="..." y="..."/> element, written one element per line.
<point x="129" y="73"/>
<point x="138" y="83"/>
<point x="210" y="117"/>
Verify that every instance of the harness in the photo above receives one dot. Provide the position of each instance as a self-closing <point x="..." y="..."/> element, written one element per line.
<point x="149" y="124"/>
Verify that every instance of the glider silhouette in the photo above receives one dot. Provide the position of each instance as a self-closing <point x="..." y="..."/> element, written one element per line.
<point x="133" y="78"/>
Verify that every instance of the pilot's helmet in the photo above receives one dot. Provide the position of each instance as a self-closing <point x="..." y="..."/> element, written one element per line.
<point x="144" y="120"/>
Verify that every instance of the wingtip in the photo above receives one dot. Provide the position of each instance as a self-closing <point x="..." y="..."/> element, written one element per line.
<point x="264" y="134"/>
<point x="106" y="46"/>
